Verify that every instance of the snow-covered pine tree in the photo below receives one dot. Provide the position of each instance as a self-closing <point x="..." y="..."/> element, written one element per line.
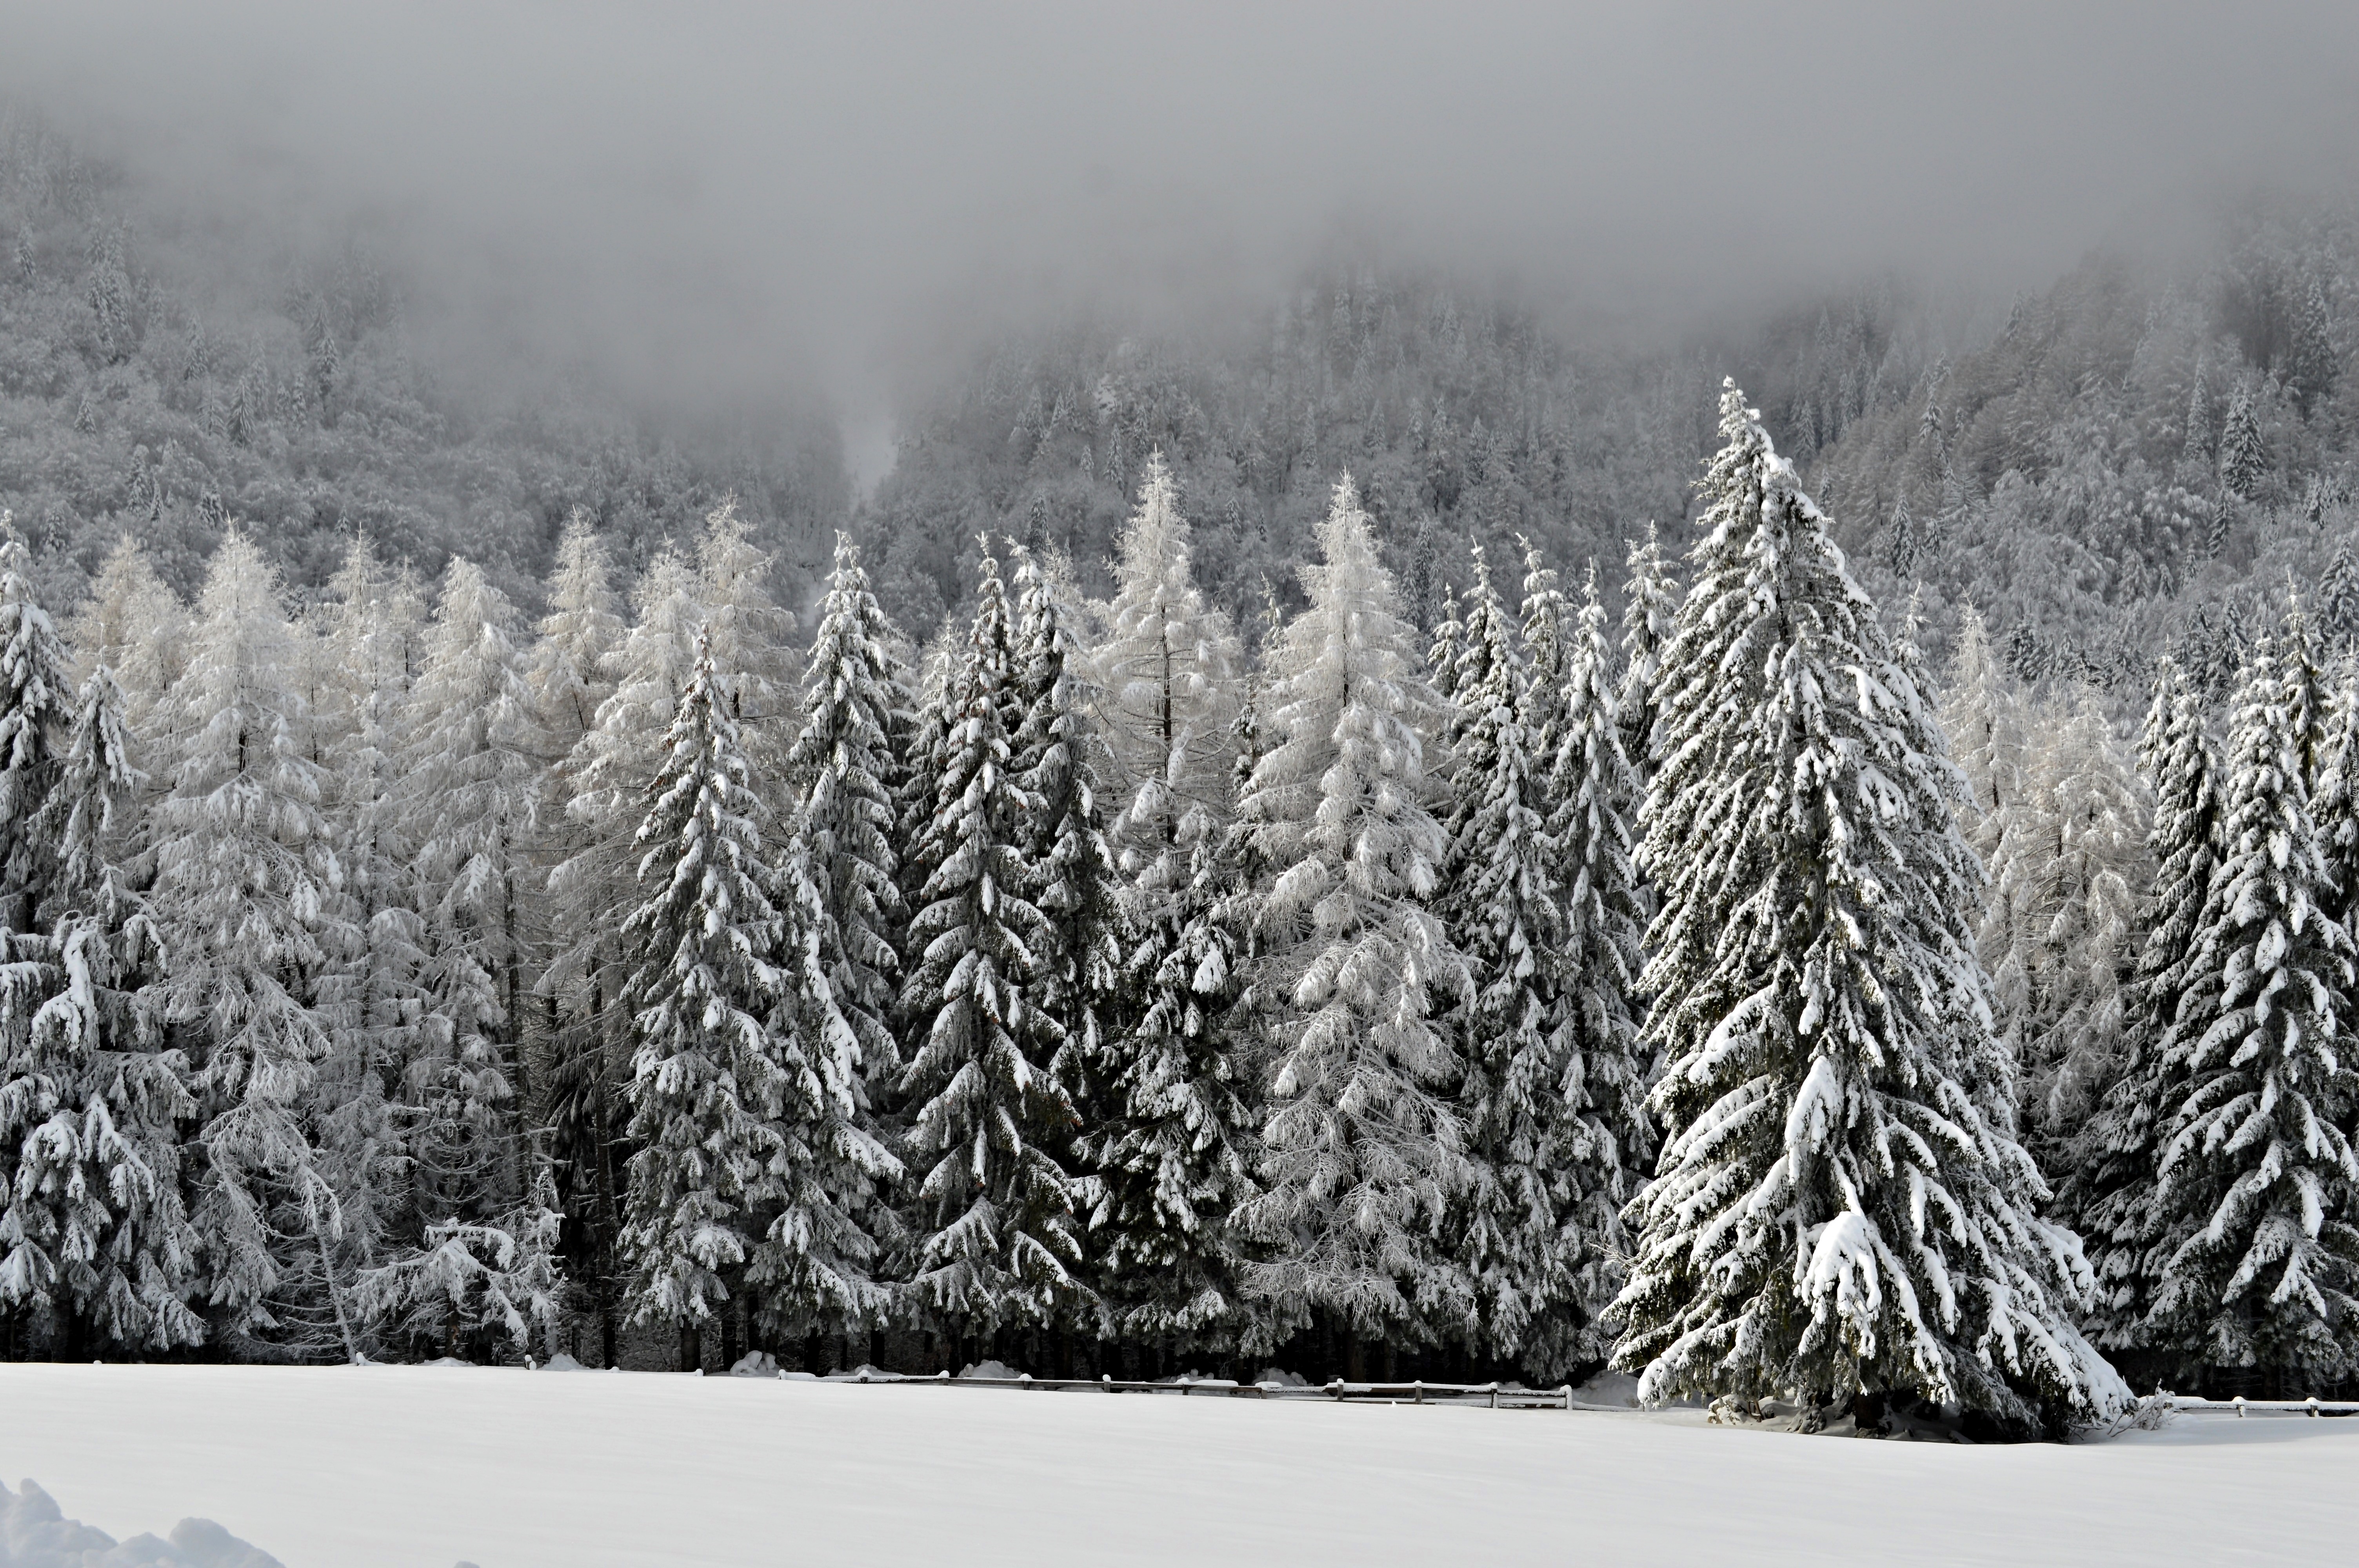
<point x="572" y="676"/>
<point x="752" y="1172"/>
<point x="2086" y="891"/>
<point x="997" y="1240"/>
<point x="93" y="1233"/>
<point x="2338" y="602"/>
<point x="1600" y="1153"/>
<point x="2108" y="1193"/>
<point x="2334" y="807"/>
<point x="2259" y="1187"/>
<point x="1076" y="980"/>
<point x="1650" y="607"/>
<point x="245" y="902"/>
<point x="467" y="798"/>
<point x="843" y="769"/>
<point x="754" y="643"/>
<point x="369" y="645"/>
<point x="133" y="625"/>
<point x="1840" y="1209"/>
<point x="1362" y="1147"/>
<point x="1170" y="677"/>
<point x="1170" y="1145"/>
<point x="37" y="697"/>
<point x="2244" y="456"/>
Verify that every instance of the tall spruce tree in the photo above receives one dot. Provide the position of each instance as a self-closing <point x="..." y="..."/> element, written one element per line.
<point x="845" y="770"/>
<point x="1840" y="1206"/>
<point x="997" y="1240"/>
<point x="245" y="900"/>
<point x="751" y="1171"/>
<point x="1650" y="600"/>
<point x="94" y="1234"/>
<point x="1363" y="1148"/>
<point x="1171" y="1148"/>
<point x="2259" y="1251"/>
<point x="1073" y="883"/>
<point x="2109" y="1192"/>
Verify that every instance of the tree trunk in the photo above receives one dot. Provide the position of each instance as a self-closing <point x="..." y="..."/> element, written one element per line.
<point x="1355" y="1364"/>
<point x="691" y="1352"/>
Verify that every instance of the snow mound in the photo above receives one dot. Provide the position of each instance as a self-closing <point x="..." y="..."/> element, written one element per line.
<point x="987" y="1369"/>
<point x="35" y="1533"/>
<point x="561" y="1362"/>
<point x="866" y="1372"/>
<point x="1273" y="1377"/>
<point x="446" y="1361"/>
<point x="1608" y="1388"/>
<point x="756" y="1363"/>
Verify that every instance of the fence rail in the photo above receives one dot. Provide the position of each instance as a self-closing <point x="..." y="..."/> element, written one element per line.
<point x="1490" y="1396"/>
<point x="2190" y="1405"/>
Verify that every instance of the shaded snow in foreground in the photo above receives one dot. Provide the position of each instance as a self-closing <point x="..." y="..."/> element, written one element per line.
<point x="419" y="1468"/>
<point x="35" y="1533"/>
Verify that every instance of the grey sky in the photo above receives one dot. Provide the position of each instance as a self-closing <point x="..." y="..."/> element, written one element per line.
<point x="716" y="192"/>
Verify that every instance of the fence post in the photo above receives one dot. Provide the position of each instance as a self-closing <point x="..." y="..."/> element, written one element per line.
<point x="1568" y="1396"/>
<point x="2239" y="1407"/>
<point x="1417" y="1390"/>
<point x="1495" y="1393"/>
<point x="1335" y="1387"/>
<point x="2313" y="1405"/>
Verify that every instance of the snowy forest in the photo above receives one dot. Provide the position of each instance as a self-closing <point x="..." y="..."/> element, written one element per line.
<point x="1381" y="839"/>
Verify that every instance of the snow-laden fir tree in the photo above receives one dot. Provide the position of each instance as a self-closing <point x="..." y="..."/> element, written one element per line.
<point x="1650" y="607"/>
<point x="1073" y="883"/>
<point x="1362" y="1145"/>
<point x="752" y="1175"/>
<point x="1170" y="677"/>
<point x="93" y="1232"/>
<point x="369" y="644"/>
<point x="2259" y="1250"/>
<point x="2091" y="878"/>
<point x="467" y="799"/>
<point x="572" y="676"/>
<point x="754" y="640"/>
<point x="133" y="625"/>
<point x="2244" y="456"/>
<point x="246" y="903"/>
<point x="1600" y="1152"/>
<point x="2109" y="1190"/>
<point x="997" y="1240"/>
<point x="843" y="769"/>
<point x="1170" y="1146"/>
<point x="2334" y="807"/>
<point x="37" y="693"/>
<point x="1841" y="1207"/>
<point x="2338" y="603"/>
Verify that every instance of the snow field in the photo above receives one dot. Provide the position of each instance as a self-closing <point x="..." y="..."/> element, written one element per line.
<point x="421" y="1468"/>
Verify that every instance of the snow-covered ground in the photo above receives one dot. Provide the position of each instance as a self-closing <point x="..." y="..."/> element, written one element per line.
<point x="422" y="1467"/>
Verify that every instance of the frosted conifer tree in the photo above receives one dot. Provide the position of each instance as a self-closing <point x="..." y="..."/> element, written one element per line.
<point x="997" y="1239"/>
<point x="245" y="901"/>
<point x="752" y="1172"/>
<point x="2259" y="1251"/>
<point x="1072" y="879"/>
<point x="1650" y="601"/>
<point x="2334" y="806"/>
<point x="2338" y="602"/>
<point x="1599" y="1151"/>
<point x="754" y="643"/>
<point x="36" y="706"/>
<point x="468" y="795"/>
<point x="2244" y="457"/>
<point x="844" y="767"/>
<point x="1362" y="1147"/>
<point x="2093" y="878"/>
<point x="1841" y="1207"/>
<point x="133" y="625"/>
<point x="2109" y="1192"/>
<point x="1171" y="1148"/>
<point x="370" y="643"/>
<point x="92" y="1229"/>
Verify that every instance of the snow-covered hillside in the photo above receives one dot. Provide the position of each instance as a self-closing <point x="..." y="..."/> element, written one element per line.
<point x="421" y="1468"/>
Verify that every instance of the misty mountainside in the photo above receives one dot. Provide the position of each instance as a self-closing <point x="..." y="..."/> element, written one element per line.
<point x="2135" y="459"/>
<point x="166" y="377"/>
